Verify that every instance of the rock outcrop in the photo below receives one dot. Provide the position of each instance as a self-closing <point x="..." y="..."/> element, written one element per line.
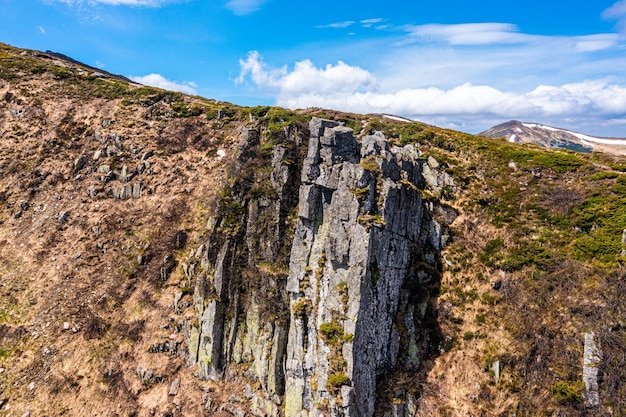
<point x="363" y="273"/>
<point x="363" y="268"/>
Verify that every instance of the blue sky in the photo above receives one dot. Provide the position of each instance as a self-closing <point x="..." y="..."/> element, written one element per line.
<point x="462" y="64"/>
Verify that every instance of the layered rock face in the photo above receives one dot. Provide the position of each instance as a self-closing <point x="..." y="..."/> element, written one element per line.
<point x="358" y="301"/>
<point x="364" y="255"/>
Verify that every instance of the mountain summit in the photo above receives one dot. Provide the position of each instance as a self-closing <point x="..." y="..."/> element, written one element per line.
<point x="551" y="137"/>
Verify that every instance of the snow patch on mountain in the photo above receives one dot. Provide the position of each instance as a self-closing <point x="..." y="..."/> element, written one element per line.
<point x="585" y="139"/>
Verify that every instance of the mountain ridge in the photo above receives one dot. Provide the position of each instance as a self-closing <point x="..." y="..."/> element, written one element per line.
<point x="552" y="137"/>
<point x="169" y="255"/>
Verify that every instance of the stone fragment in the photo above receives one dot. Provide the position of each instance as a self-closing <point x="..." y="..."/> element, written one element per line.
<point x="592" y="360"/>
<point x="174" y="387"/>
<point x="80" y="162"/>
<point x="64" y="217"/>
<point x="177" y="297"/>
<point x="495" y="368"/>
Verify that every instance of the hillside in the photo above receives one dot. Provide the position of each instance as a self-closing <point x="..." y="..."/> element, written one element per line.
<point x="169" y="255"/>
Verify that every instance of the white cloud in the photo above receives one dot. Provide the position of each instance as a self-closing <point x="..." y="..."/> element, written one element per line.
<point x="467" y="34"/>
<point x="136" y="3"/>
<point x="337" y="25"/>
<point x="244" y="7"/>
<point x="368" y="23"/>
<point x="500" y="34"/>
<point x="350" y="88"/>
<point x="305" y="77"/>
<point x="618" y="12"/>
<point x="597" y="42"/>
<point x="157" y="80"/>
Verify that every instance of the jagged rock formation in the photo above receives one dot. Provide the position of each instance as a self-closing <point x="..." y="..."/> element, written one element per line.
<point x="363" y="271"/>
<point x="238" y="276"/>
<point x="359" y="260"/>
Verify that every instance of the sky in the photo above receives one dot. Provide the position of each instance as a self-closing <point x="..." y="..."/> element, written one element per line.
<point x="465" y="65"/>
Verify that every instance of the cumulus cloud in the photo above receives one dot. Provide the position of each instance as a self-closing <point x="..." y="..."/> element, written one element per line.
<point x="157" y="80"/>
<point x="350" y="88"/>
<point x="305" y="78"/>
<point x="244" y="7"/>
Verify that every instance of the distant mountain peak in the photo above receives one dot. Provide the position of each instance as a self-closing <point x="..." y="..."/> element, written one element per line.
<point x="553" y="137"/>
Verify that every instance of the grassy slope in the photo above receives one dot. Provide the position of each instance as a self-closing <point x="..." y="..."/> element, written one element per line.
<point x="544" y="227"/>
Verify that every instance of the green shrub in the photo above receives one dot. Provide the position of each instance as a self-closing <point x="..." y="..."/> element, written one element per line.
<point x="332" y="333"/>
<point x="493" y="252"/>
<point x="336" y="380"/>
<point x="604" y="175"/>
<point x="370" y="164"/>
<point x="565" y="393"/>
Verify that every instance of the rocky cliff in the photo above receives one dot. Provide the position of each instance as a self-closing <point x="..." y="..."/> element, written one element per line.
<point x="364" y="270"/>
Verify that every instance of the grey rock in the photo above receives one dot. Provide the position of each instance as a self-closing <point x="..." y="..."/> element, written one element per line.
<point x="592" y="360"/>
<point x="146" y="375"/>
<point x="368" y="255"/>
<point x="136" y="192"/>
<point x="177" y="297"/>
<point x="495" y="368"/>
<point x="18" y="114"/>
<point x="123" y="193"/>
<point x="127" y="191"/>
<point x="80" y="162"/>
<point x="146" y="155"/>
<point x="64" y="217"/>
<point x="104" y="169"/>
<point x="432" y="162"/>
<point x="123" y="174"/>
<point x="174" y="387"/>
<point x="169" y="263"/>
